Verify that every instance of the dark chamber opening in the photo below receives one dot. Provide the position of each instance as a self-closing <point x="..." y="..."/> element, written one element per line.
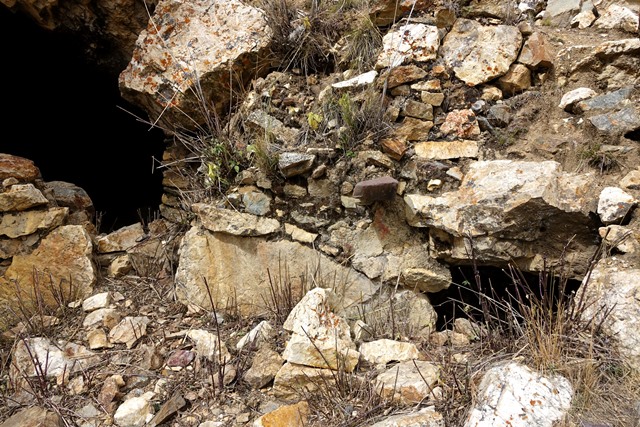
<point x="470" y="296"/>
<point x="67" y="115"/>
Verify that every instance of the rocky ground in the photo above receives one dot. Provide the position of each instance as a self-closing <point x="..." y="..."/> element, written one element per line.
<point x="436" y="231"/>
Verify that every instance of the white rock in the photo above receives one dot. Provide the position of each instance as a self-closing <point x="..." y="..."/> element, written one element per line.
<point x="383" y="351"/>
<point x="574" y="96"/>
<point x="360" y="80"/>
<point x="614" y="204"/>
<point x="411" y="42"/>
<point x="516" y="393"/>
<point x="94" y="302"/>
<point x="134" y="412"/>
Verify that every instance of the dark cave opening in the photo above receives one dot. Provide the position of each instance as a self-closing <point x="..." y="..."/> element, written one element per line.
<point x="485" y="292"/>
<point x="66" y="114"/>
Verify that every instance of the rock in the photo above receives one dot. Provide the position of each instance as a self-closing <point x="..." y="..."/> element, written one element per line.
<point x="266" y="364"/>
<point x="631" y="180"/>
<point x="71" y="196"/>
<point x="386" y="12"/>
<point x="62" y="261"/>
<point x="270" y="127"/>
<point x="583" y="19"/>
<point x="23" y="223"/>
<point x="235" y="269"/>
<point x="256" y="203"/>
<point x="293" y="382"/>
<point x="617" y="122"/>
<point x="480" y="53"/>
<point x="292" y="164"/>
<point x="618" y="17"/>
<point x="129" y="330"/>
<point x="320" y="338"/>
<point x="495" y="193"/>
<point x="614" y="100"/>
<point x="187" y="52"/>
<point x="573" y="97"/>
<point x="411" y="42"/>
<point x="360" y="80"/>
<point x="94" y="302"/>
<point x="411" y="129"/>
<point x="408" y="382"/>
<point x="168" y="408"/>
<point x="537" y="52"/>
<point x="514" y="392"/>
<point x="383" y="351"/>
<point x="262" y="333"/>
<point x="299" y="234"/>
<point x="32" y="357"/>
<point x="295" y="415"/>
<point x="134" y="412"/>
<point x="443" y="150"/>
<point x="427" y="279"/>
<point x="378" y="189"/>
<point x="621" y="238"/>
<point x="614" y="204"/>
<point x="34" y="416"/>
<point x="208" y="345"/>
<point x="561" y="12"/>
<point x="516" y="80"/>
<point x="418" y="110"/>
<point x="97" y="339"/>
<point x="399" y="75"/>
<point x="612" y="288"/>
<point x="425" y="417"/>
<point x="234" y="223"/>
<point x="107" y="317"/>
<point x="122" y="239"/>
<point x="21" y="197"/>
<point x="24" y="170"/>
<point x="394" y="148"/>
<point x="461" y="123"/>
<point x="434" y="99"/>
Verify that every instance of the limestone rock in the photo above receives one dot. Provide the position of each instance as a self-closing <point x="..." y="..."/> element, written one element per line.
<point x="619" y="17"/>
<point x="292" y="381"/>
<point x="516" y="80"/>
<point x="24" y="170"/>
<point x="186" y="51"/>
<point x="614" y="204"/>
<point x="62" y="261"/>
<point x="514" y="392"/>
<point x="537" y="52"/>
<point x="34" y="416"/>
<point x="129" y="330"/>
<point x="235" y="223"/>
<point x="320" y="337"/>
<point x="614" y="286"/>
<point x="461" y="123"/>
<point x="480" y="53"/>
<point x="122" y="239"/>
<point x="498" y="203"/>
<point x="295" y="415"/>
<point x="408" y="382"/>
<point x="27" y="222"/>
<point x="574" y="96"/>
<point x="266" y="364"/>
<point x="292" y="164"/>
<point x="383" y="351"/>
<point x="135" y="411"/>
<point x="443" y="150"/>
<point x="425" y="417"/>
<point x="235" y="268"/>
<point x="20" y="197"/>
<point x="410" y="42"/>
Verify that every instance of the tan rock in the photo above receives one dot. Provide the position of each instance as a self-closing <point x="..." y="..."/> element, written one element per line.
<point x="516" y="80"/>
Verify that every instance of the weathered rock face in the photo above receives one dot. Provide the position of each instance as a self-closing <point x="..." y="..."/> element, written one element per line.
<point x="45" y="250"/>
<point x="529" y="399"/>
<point x="506" y="210"/>
<point x="480" y="53"/>
<point x="184" y="61"/>
<point x="613" y="287"/>
<point x="237" y="270"/>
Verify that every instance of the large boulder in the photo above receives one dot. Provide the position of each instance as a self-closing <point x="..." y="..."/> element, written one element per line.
<point x="192" y="56"/>
<point x="507" y="211"/>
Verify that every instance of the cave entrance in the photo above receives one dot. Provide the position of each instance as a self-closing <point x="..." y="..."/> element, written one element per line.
<point x="66" y="114"/>
<point x="488" y="293"/>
